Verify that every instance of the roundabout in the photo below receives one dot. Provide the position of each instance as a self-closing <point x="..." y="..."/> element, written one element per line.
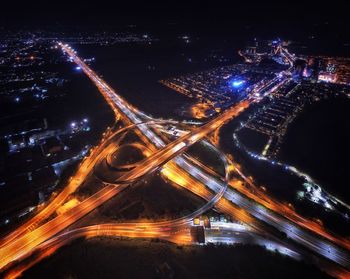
<point x="126" y="157"/>
<point x="121" y="157"/>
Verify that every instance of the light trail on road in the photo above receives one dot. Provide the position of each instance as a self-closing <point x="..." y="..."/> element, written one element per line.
<point x="23" y="245"/>
<point x="179" y="165"/>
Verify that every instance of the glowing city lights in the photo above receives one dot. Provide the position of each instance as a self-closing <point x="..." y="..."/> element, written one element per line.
<point x="237" y="83"/>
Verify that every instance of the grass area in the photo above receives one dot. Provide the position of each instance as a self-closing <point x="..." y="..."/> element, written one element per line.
<point x="318" y="144"/>
<point x="151" y="199"/>
<point x="126" y="154"/>
<point x="253" y="140"/>
<point x="208" y="157"/>
<point x="133" y="258"/>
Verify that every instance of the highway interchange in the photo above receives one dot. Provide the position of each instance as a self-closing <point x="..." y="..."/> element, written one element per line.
<point x="42" y="233"/>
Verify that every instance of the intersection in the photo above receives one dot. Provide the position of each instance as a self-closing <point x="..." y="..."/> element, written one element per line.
<point x="169" y="158"/>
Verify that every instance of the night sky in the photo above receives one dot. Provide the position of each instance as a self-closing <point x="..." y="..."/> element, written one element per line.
<point x="202" y="13"/>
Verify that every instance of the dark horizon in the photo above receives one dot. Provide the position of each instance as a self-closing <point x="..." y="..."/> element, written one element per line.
<point x="82" y="13"/>
<point x="325" y="24"/>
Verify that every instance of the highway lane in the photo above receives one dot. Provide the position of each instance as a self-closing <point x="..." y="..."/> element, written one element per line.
<point x="177" y="233"/>
<point x="23" y="245"/>
<point x="234" y="236"/>
<point x="134" y="230"/>
<point x="226" y="233"/>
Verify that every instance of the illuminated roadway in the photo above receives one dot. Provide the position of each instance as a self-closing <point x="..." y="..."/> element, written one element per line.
<point x="23" y="245"/>
<point x="26" y="243"/>
<point x="32" y="238"/>
<point x="177" y="233"/>
<point x="299" y="235"/>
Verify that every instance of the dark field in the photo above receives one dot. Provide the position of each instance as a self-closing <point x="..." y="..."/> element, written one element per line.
<point x="153" y="199"/>
<point x="111" y="258"/>
<point x="253" y="140"/>
<point x="281" y="184"/>
<point x="318" y="144"/>
<point x="208" y="157"/>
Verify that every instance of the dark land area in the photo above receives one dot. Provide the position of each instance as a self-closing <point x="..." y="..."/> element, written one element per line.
<point x="207" y="157"/>
<point x="280" y="183"/>
<point x="253" y="140"/>
<point x="317" y="142"/>
<point x="52" y="95"/>
<point x="277" y="181"/>
<point x="134" y="70"/>
<point x="111" y="258"/>
<point x="150" y="199"/>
